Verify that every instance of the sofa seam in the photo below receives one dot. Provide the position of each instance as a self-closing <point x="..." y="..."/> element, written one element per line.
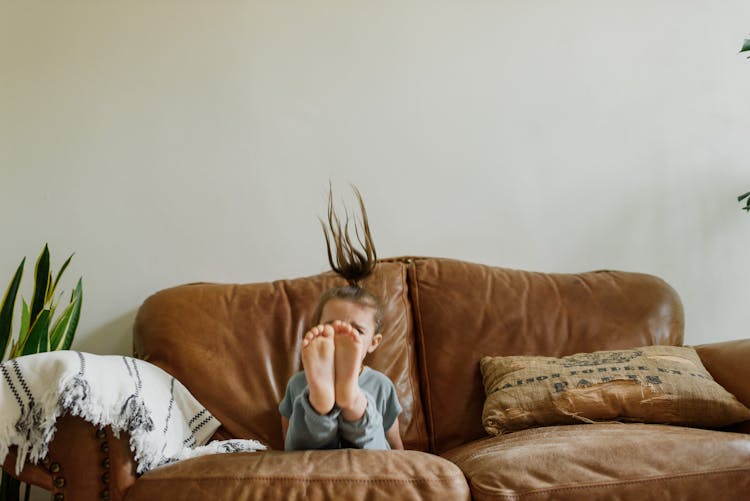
<point x="421" y="432"/>
<point x="422" y="362"/>
<point x="452" y="478"/>
<point x="540" y="492"/>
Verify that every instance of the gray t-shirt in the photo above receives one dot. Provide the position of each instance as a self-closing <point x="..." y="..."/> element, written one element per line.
<point x="373" y="382"/>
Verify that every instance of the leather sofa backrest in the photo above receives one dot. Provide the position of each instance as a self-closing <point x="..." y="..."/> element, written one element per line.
<point x="464" y="311"/>
<point x="236" y="346"/>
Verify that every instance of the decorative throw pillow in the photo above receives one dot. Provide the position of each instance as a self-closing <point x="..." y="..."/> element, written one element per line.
<point x="653" y="384"/>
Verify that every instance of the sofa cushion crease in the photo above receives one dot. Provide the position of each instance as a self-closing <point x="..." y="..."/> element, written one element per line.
<point x="419" y="424"/>
<point x="353" y="473"/>
<point x="607" y="458"/>
<point x="234" y="346"/>
<point x="413" y="282"/>
<point x="740" y="473"/>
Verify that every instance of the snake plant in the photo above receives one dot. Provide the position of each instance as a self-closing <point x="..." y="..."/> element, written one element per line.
<point x="39" y="330"/>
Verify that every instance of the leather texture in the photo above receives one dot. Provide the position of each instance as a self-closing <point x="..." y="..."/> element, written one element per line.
<point x="608" y="461"/>
<point x="465" y="311"/>
<point x="35" y="474"/>
<point x="729" y="364"/>
<point x="83" y="463"/>
<point x="316" y="475"/>
<point x="235" y="346"/>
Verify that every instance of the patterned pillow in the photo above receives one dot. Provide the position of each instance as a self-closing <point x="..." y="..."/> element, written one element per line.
<point x="653" y="384"/>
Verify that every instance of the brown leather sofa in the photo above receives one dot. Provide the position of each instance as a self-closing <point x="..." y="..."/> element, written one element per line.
<point x="235" y="347"/>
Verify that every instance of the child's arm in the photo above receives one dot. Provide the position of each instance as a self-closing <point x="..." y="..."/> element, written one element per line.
<point x="394" y="437"/>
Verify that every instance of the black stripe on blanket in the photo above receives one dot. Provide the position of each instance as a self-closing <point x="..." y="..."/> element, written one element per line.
<point x="77" y="390"/>
<point x="31" y="415"/>
<point x="12" y="387"/>
<point x="201" y="424"/>
<point x="83" y="363"/>
<point x="138" y="381"/>
<point x="134" y="409"/>
<point x="197" y="417"/>
<point x="191" y="440"/>
<point x="21" y="380"/>
<point x="169" y="414"/>
<point x="169" y="408"/>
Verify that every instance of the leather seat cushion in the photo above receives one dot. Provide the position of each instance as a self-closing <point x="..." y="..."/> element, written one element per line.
<point x="607" y="461"/>
<point x="336" y="474"/>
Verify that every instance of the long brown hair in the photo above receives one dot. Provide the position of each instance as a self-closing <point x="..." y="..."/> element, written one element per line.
<point x="348" y="261"/>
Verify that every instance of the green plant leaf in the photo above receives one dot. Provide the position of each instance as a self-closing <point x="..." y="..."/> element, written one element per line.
<point x="745" y="45"/>
<point x="38" y="329"/>
<point x="70" y="331"/>
<point x="60" y="273"/>
<point x="24" y="320"/>
<point x="53" y="306"/>
<point x="11" y="354"/>
<point x="6" y="310"/>
<point x="60" y="326"/>
<point x="49" y="291"/>
<point x="41" y="283"/>
<point x="44" y="338"/>
<point x="23" y="334"/>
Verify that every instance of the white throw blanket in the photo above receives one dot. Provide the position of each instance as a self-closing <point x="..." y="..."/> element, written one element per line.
<point x="165" y="422"/>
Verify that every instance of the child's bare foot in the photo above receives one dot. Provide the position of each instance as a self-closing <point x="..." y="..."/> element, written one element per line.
<point x="317" y="359"/>
<point x="348" y="362"/>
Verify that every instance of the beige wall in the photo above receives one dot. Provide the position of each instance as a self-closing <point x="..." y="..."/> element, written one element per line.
<point x="170" y="142"/>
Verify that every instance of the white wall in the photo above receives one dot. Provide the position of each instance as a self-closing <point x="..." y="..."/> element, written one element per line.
<point x="176" y="141"/>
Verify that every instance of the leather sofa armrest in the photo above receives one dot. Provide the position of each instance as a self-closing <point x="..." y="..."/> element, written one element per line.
<point x="83" y="462"/>
<point x="728" y="364"/>
<point x="33" y="474"/>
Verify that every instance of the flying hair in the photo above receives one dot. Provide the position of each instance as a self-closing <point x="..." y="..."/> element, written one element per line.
<point x="353" y="263"/>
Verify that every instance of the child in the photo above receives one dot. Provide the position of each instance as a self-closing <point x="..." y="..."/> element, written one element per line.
<point x="337" y="402"/>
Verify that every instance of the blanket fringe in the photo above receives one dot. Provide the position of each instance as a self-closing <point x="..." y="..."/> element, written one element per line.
<point x="36" y="424"/>
<point x="135" y="415"/>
